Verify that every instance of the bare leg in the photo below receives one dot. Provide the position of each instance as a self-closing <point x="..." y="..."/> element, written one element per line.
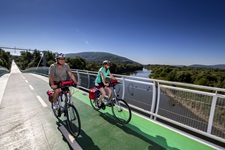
<point x="55" y="95"/>
<point x="109" y="92"/>
<point x="102" y="94"/>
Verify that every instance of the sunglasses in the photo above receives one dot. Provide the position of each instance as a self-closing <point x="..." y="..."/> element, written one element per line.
<point x="61" y="58"/>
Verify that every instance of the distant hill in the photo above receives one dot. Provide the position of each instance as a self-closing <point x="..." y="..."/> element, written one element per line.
<point x="220" y="66"/>
<point x="100" y="56"/>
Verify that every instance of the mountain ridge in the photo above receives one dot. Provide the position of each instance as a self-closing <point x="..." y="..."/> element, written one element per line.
<point x="101" y="56"/>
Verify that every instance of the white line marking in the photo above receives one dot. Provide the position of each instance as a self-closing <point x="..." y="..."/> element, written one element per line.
<point x="42" y="101"/>
<point x="70" y="138"/>
<point x="26" y="81"/>
<point x="31" y="87"/>
<point x="23" y="77"/>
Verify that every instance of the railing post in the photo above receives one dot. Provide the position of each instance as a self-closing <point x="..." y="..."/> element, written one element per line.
<point x="157" y="102"/>
<point x="89" y="80"/>
<point x="123" y="93"/>
<point x="211" y="116"/>
<point x="153" y="98"/>
<point x="78" y="77"/>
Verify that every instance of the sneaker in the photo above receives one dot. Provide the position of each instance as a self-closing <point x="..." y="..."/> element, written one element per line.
<point x="55" y="106"/>
<point x="99" y="103"/>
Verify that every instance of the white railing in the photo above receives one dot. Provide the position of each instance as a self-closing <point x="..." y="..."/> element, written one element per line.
<point x="3" y="70"/>
<point x="197" y="108"/>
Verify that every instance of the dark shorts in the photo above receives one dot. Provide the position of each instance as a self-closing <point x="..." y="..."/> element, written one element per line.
<point x="99" y="85"/>
<point x="55" y="83"/>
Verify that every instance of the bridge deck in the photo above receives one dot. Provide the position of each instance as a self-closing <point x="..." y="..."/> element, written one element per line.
<point x="138" y="134"/>
<point x="28" y="124"/>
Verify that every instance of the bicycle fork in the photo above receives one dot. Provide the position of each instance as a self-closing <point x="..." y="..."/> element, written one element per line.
<point x="68" y="110"/>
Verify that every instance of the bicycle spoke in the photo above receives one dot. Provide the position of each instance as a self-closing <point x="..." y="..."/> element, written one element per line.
<point x="121" y="111"/>
<point x="94" y="104"/>
<point x="73" y="120"/>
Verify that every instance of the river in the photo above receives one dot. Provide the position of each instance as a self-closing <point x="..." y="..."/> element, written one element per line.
<point x="144" y="73"/>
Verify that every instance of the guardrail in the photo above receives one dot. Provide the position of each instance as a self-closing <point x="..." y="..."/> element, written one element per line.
<point x="3" y="71"/>
<point x="197" y="108"/>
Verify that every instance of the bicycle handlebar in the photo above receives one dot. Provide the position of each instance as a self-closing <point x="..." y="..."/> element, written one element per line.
<point x="113" y="83"/>
<point x="67" y="83"/>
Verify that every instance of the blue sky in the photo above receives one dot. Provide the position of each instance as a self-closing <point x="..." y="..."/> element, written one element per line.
<point x="172" y="32"/>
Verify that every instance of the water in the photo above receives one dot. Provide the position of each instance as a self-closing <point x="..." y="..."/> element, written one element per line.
<point x="142" y="73"/>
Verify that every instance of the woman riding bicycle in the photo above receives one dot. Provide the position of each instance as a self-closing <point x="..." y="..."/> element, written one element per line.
<point x="58" y="72"/>
<point x="101" y="83"/>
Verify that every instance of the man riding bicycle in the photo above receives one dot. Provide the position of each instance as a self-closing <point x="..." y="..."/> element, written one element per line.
<point x="58" y="72"/>
<point x="101" y="83"/>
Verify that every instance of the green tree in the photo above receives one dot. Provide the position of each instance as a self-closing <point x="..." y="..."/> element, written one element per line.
<point x="5" y="59"/>
<point x="76" y="63"/>
<point x="25" y="60"/>
<point x="183" y="76"/>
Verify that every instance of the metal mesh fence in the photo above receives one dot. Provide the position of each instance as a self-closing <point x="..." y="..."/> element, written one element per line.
<point x="188" y="108"/>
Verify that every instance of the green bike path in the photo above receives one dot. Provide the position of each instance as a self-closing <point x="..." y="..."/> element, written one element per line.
<point x="101" y="131"/>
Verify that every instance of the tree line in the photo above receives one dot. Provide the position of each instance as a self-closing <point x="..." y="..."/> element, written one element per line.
<point x="200" y="76"/>
<point x="33" y="59"/>
<point x="5" y="59"/>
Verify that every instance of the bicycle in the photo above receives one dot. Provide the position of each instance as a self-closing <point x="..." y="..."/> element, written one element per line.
<point x="120" y="108"/>
<point x="69" y="110"/>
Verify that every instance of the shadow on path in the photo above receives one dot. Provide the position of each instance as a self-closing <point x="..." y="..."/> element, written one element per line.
<point x="135" y="131"/>
<point x="83" y="139"/>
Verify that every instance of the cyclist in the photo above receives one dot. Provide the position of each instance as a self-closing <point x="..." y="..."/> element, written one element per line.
<point x="58" y="72"/>
<point x="101" y="83"/>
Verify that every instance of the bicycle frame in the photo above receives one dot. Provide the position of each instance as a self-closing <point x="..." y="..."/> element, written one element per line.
<point x="67" y="99"/>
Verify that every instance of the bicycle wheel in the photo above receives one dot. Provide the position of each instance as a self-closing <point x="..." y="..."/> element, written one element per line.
<point x="58" y="112"/>
<point x="94" y="104"/>
<point x="121" y="111"/>
<point x="73" y="120"/>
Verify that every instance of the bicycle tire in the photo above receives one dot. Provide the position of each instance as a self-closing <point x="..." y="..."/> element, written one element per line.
<point x="73" y="120"/>
<point x="94" y="104"/>
<point x="121" y="111"/>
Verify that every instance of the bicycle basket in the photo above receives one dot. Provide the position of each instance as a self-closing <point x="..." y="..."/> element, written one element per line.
<point x="93" y="93"/>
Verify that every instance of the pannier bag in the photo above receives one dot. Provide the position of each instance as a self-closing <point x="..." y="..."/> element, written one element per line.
<point x="50" y="95"/>
<point x="93" y="93"/>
